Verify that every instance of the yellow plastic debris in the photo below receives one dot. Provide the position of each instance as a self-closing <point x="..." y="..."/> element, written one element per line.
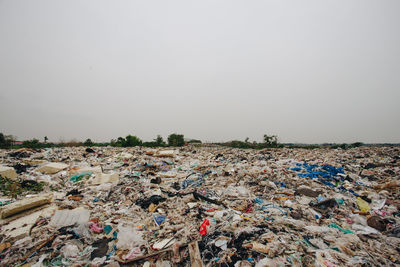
<point x="363" y="205"/>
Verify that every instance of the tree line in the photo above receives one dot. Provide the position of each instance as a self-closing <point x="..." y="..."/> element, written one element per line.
<point x="173" y="140"/>
<point x="9" y="141"/>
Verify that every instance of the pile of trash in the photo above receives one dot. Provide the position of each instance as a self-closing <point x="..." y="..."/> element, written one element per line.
<point x="200" y="206"/>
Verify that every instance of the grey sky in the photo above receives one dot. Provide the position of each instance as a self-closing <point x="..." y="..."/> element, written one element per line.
<point x="308" y="71"/>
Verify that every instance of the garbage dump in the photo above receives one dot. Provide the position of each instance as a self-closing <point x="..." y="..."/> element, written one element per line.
<point x="200" y="206"/>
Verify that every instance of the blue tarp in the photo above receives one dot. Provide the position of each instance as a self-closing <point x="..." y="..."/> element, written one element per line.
<point x="326" y="174"/>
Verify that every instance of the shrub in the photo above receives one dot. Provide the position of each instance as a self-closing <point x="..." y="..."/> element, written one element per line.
<point x="33" y="143"/>
<point x="356" y="144"/>
<point x="194" y="141"/>
<point x="88" y="142"/>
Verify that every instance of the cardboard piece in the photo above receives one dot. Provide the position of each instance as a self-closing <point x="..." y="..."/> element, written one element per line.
<point x="25" y="204"/>
<point x="52" y="167"/>
<point x="8" y="172"/>
<point x="103" y="178"/>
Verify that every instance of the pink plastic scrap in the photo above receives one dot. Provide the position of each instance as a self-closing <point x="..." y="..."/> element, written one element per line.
<point x="133" y="253"/>
<point x="95" y="228"/>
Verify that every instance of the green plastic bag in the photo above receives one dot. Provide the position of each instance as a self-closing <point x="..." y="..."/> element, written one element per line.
<point x="346" y="231"/>
<point x="78" y="177"/>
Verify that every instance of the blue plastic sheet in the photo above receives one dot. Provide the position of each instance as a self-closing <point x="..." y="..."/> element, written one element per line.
<point x="159" y="219"/>
<point x="107" y="229"/>
<point x="326" y="174"/>
<point x="281" y="184"/>
<point x="258" y="201"/>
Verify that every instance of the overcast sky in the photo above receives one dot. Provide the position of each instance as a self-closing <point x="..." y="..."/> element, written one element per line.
<point x="307" y="71"/>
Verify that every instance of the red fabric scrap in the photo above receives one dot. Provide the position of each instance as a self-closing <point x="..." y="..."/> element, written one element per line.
<point x="203" y="227"/>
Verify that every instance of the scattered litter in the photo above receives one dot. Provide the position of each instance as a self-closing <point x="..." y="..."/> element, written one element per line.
<point x="200" y="206"/>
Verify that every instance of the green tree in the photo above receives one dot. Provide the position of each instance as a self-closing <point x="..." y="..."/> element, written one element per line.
<point x="121" y="141"/>
<point x="132" y="141"/>
<point x="6" y="141"/>
<point x="159" y="141"/>
<point x="45" y="139"/>
<point x="176" y="140"/>
<point x="113" y="142"/>
<point x="88" y="142"/>
<point x="2" y="141"/>
<point x="270" y="140"/>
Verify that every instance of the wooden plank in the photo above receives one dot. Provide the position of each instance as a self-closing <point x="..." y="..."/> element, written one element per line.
<point x="195" y="256"/>
<point x="149" y="255"/>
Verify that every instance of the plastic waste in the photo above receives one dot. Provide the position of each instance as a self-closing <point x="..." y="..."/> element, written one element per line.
<point x="39" y="263"/>
<point x="363" y="205"/>
<point x="221" y="243"/>
<point x="346" y="231"/>
<point x="362" y="229"/>
<point x="321" y="198"/>
<point x="82" y="230"/>
<point x="159" y="218"/>
<point x="145" y="203"/>
<point x="129" y="237"/>
<point x="133" y="253"/>
<point x="69" y="250"/>
<point x="95" y="228"/>
<point x="378" y="204"/>
<point x="155" y="207"/>
<point x="70" y="217"/>
<point x="203" y="227"/>
<point x="79" y="177"/>
<point x="164" y="243"/>
<point x="107" y="229"/>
